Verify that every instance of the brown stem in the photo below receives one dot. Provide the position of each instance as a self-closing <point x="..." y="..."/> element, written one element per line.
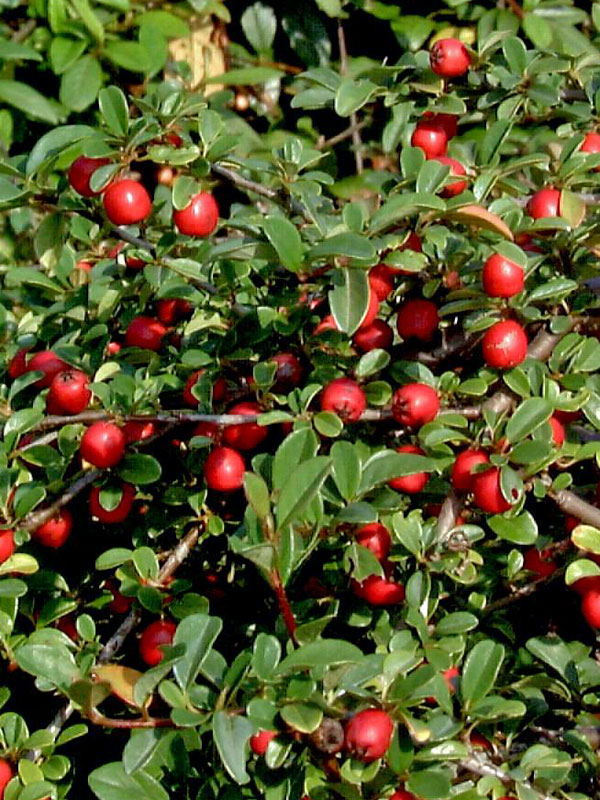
<point x="244" y="183"/>
<point x="96" y="718"/>
<point x="480" y="765"/>
<point x="324" y="144"/>
<point x="515" y="8"/>
<point x="356" y="138"/>
<point x="522" y="592"/>
<point x="283" y="602"/>
<point x="571" y="504"/>
<point x="37" y="518"/>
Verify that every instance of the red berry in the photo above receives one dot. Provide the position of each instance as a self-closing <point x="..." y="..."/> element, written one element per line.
<point x="248" y="435"/>
<point x="224" y="469"/>
<point x="55" y="531"/>
<point x="479" y="741"/>
<point x="208" y="429"/>
<point x="584" y="585"/>
<point x="7" y="545"/>
<point x="112" y="348"/>
<point x="487" y="493"/>
<point x="17" y="366"/>
<point x="134" y="263"/>
<point x="448" y="122"/>
<point x="381" y="281"/>
<point x="120" y="604"/>
<point x="289" y="372"/>
<point x="591" y="143"/>
<point x="138" y="431"/>
<point x="461" y="476"/>
<point x="377" y="335"/>
<point x="415" y="404"/>
<point x="558" y="431"/>
<point x="6" y="773"/>
<point x="413" y="242"/>
<point x="539" y="562"/>
<point x="449" y="58"/>
<point x="451" y="676"/>
<point x="378" y="591"/>
<point x="376" y="538"/>
<point x="200" y="217"/>
<point x="457" y="169"/>
<point x="80" y="172"/>
<point x="431" y="139"/>
<point x="103" y="444"/>
<point x="504" y="345"/>
<point x="69" y="391"/>
<point x="47" y="363"/>
<point x="260" y="741"/>
<point x="545" y="203"/>
<point x="402" y="794"/>
<point x="126" y="202"/>
<point x="153" y="637"/>
<point x="345" y="398"/>
<point x="118" y="514"/>
<point x="525" y="241"/>
<point x="571" y="523"/>
<point x="368" y="734"/>
<point x="590" y="607"/>
<point x="502" y="277"/>
<point x="145" y="332"/>
<point x="372" y="310"/>
<point x="566" y="417"/>
<point x="328" y="323"/>
<point x="171" y="311"/>
<point x="84" y="265"/>
<point x="418" y="319"/>
<point x="410" y="484"/>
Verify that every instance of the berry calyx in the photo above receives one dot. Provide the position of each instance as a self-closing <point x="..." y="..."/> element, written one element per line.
<point x="418" y="319"/>
<point x="248" y="435"/>
<point x="224" y="469"/>
<point x="545" y="203"/>
<point x="7" y="544"/>
<point x="260" y="741"/>
<point x="69" y="392"/>
<point x="487" y="492"/>
<point x="153" y="637"/>
<point x="504" y="345"/>
<point x="449" y="58"/>
<point x="103" y="444"/>
<point x="378" y="335"/>
<point x="502" y="277"/>
<point x="345" y="398"/>
<point x="48" y="363"/>
<point x="200" y="217"/>
<point x="80" y="172"/>
<point x="121" y="510"/>
<point x="454" y="187"/>
<point x="55" y="531"/>
<point x="368" y="734"/>
<point x="145" y="332"/>
<point x="378" y="591"/>
<point x="430" y="138"/>
<point x="461" y="476"/>
<point x="126" y="202"/>
<point x="376" y="538"/>
<point x="415" y="404"/>
<point x="410" y="484"/>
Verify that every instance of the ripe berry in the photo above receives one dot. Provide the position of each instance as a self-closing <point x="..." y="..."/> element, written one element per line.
<point x="381" y="281"/>
<point x="376" y="538"/>
<point x="402" y="794"/>
<point x="539" y="562"/>
<point x="103" y="444"/>
<point x="345" y="398"/>
<point x="69" y="391"/>
<point x="479" y="741"/>
<point x="410" y="484"/>
<point x="200" y="217"/>
<point x="171" y="311"/>
<point x="49" y="364"/>
<point x="377" y="335"/>
<point x="413" y="242"/>
<point x="368" y="734"/>
<point x="134" y="263"/>
<point x="224" y="469"/>
<point x="55" y="531"/>
<point x="289" y="372"/>
<point x="487" y="493"/>
<point x="156" y="634"/>
<point x="165" y="176"/>
<point x="260" y="741"/>
<point x="448" y="122"/>
<point x="415" y="404"/>
<point x="502" y="277"/>
<point x="545" y="203"/>
<point x="558" y="431"/>
<point x="418" y="319"/>
<point x="590" y="607"/>
<point x="431" y="139"/>
<point x="17" y="366"/>
<point x="83" y="265"/>
<point x="126" y="202"/>
<point x="372" y="310"/>
<point x="584" y="585"/>
<point x="120" y="604"/>
<point x="449" y="58"/>
<point x="378" y="591"/>
<point x="504" y="345"/>
<point x="461" y="476"/>
<point x="457" y="169"/>
<point x="451" y="676"/>
<point x="7" y="545"/>
<point x="248" y="435"/>
<point x="118" y="514"/>
<point x="6" y="773"/>
<point x="208" y="429"/>
<point x="591" y="143"/>
<point x="328" y="323"/>
<point x="138" y="431"/>
<point x="80" y="172"/>
<point x="145" y="332"/>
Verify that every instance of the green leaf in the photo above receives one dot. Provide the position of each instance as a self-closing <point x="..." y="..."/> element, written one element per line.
<point x="285" y="238"/>
<point x="349" y="302"/>
<point x="537" y="30"/>
<point x="81" y="83"/>
<point x="455" y="623"/>
<point x="266" y="654"/>
<point x="494" y="707"/>
<point x="556" y="654"/>
<point x="321" y="653"/>
<point x="89" y="19"/>
<point x="114" y="558"/>
<point x="333" y="8"/>
<point x="259" y="24"/>
<point x="198" y="633"/>
<point x="402" y="206"/>
<point x="139" y="469"/>
<point x="257" y="494"/>
<point x="351" y="245"/>
<point x="53" y="663"/>
<point x="298" y="494"/>
<point x="141" y="747"/>
<point x="64" y="51"/>
<point x="515" y="54"/>
<point x="15" y="51"/>
<point x="529" y="415"/>
<point x="429" y="784"/>
<point x="387" y="464"/>
<point x="519" y="530"/>
<point x="352" y="95"/>
<point x="168" y="24"/>
<point x="492" y="141"/>
<point x="114" y="109"/>
<point x="581" y="568"/>
<point x="328" y="424"/>
<point x="247" y="76"/>
<point x="54" y="142"/>
<point x="346" y="469"/>
<point x="28" y="100"/>
<point x="586" y="538"/>
<point x="128" y="55"/>
<point x="299" y="446"/>
<point x="111" y="782"/>
<point x="231" y="734"/>
<point x="481" y="670"/>
<point x="302" y="717"/>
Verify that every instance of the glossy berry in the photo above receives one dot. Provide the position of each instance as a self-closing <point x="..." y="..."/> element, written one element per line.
<point x="591" y="143"/>
<point x="145" y="332"/>
<point x="153" y="637"/>
<point x="418" y="319"/>
<point x="138" y="431"/>
<point x="378" y="591"/>
<point x="540" y="562"/>
<point x="55" y="531"/>
<point x="558" y="431"/>
<point x="381" y="281"/>
<point x="209" y="430"/>
<point x="461" y="476"/>
<point x="449" y="58"/>
<point x="17" y="366"/>
<point x="504" y="345"/>
<point x="260" y="741"/>
<point x="328" y="323"/>
<point x="402" y="794"/>
<point x="415" y="404"/>
<point x="6" y="773"/>
<point x="584" y="585"/>
<point x="502" y="277"/>
<point x="49" y="364"/>
<point x="200" y="217"/>
<point x="69" y="391"/>
<point x="487" y="493"/>
<point x="289" y="372"/>
<point x="117" y="514"/>
<point x="249" y="435"/>
<point x="80" y="172"/>
<point x="126" y="202"/>
<point x="448" y="122"/>
<point x="7" y="545"/>
<point x="376" y="538"/>
<point x="224" y="470"/>
<point x="219" y="389"/>
<point x="172" y="310"/>
<point x="545" y="203"/>
<point x="431" y="139"/>
<point x="345" y="398"/>
<point x="103" y="444"/>
<point x="453" y="187"/>
<point x="120" y="603"/>
<point x="590" y="607"/>
<point x="378" y="335"/>
<point x="410" y="484"/>
<point x="368" y="734"/>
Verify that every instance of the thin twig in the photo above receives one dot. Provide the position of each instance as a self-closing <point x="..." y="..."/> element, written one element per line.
<point x="356" y="138"/>
<point x="522" y="592"/>
<point x="36" y="518"/>
<point x="480" y="765"/>
<point x="324" y="144"/>
<point x="571" y="504"/>
<point x="244" y="183"/>
<point x="516" y="8"/>
<point x="283" y="602"/>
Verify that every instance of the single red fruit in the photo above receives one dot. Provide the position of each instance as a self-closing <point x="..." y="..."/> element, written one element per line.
<point x="590" y="607"/>
<point x="449" y="122"/>
<point x="55" y="531"/>
<point x="7" y="545"/>
<point x="558" y="431"/>
<point x="479" y="741"/>
<point x="174" y="139"/>
<point x="153" y="637"/>
<point x="540" y="562"/>
<point x="449" y="58"/>
<point x="418" y="319"/>
<point x="138" y="431"/>
<point x="145" y="332"/>
<point x="526" y="242"/>
<point x="378" y="591"/>
<point x="200" y="217"/>
<point x="6" y="773"/>
<point x="171" y="311"/>
<point x="372" y="310"/>
<point x="84" y="265"/>
<point x="591" y="143"/>
<point x="368" y="734"/>
<point x="415" y="404"/>
<point x="49" y="364"/>
<point x="120" y="604"/>
<point x="566" y="417"/>
<point x="103" y="444"/>
<point x="126" y="202"/>
<point x="487" y="493"/>
<point x="461" y="476"/>
<point x="376" y="538"/>
<point x="504" y="345"/>
<point x="456" y="169"/>
<point x="345" y="398"/>
<point x="69" y="391"/>
<point x="260" y="741"/>
<point x="112" y="348"/>
<point x="571" y="523"/>
<point x="410" y="484"/>
<point x="377" y="335"/>
<point x="502" y="277"/>
<point x="381" y="281"/>
<point x="118" y="514"/>
<point x="250" y="434"/>
<point x="431" y="139"/>
<point x="224" y="469"/>
<point x="80" y="172"/>
<point x="413" y="242"/>
<point x="584" y="585"/>
<point x="545" y="203"/>
<point x="208" y="429"/>
<point x="134" y="263"/>
<point x="328" y="323"/>
<point x="402" y="794"/>
<point x="17" y="366"/>
<point x="451" y="676"/>
<point x="289" y="372"/>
